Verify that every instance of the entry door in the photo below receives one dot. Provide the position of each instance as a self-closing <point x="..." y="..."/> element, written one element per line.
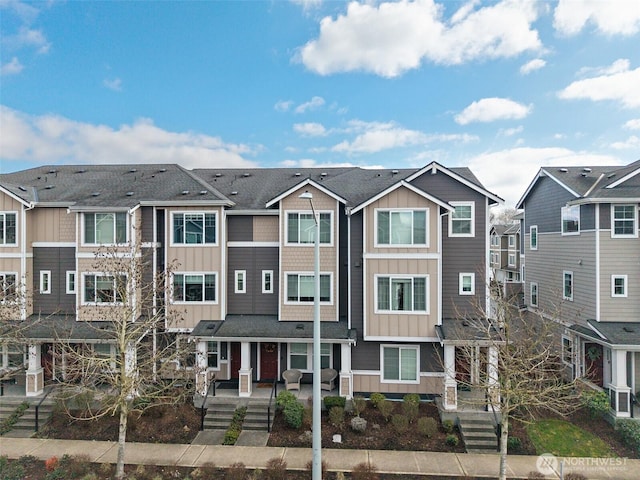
<point x="268" y="361"/>
<point x="236" y="357"/>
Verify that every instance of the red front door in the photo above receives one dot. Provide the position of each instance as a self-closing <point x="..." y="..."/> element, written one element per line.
<point x="268" y="361"/>
<point x="236" y="357"/>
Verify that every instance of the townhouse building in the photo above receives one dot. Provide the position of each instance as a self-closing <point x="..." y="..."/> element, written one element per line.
<point x="582" y="264"/>
<point x="404" y="254"/>
<point x="505" y="260"/>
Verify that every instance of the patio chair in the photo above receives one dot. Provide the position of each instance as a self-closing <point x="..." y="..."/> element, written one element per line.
<point x="292" y="379"/>
<point x="327" y="378"/>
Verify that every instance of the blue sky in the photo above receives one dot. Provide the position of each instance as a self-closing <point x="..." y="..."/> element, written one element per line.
<point x="502" y="87"/>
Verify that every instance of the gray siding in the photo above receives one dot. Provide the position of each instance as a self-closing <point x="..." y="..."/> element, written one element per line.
<point x="366" y="356"/>
<point x="254" y="260"/>
<point x="619" y="256"/>
<point x="58" y="261"/>
<point x="240" y="228"/>
<point x="542" y="206"/>
<point x="147" y="224"/>
<point x="343" y="265"/>
<point x="357" y="278"/>
<point x="588" y="217"/>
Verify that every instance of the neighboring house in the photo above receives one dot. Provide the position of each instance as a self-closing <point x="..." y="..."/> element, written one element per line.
<point x="404" y="254"/>
<point x="581" y="246"/>
<point x="505" y="260"/>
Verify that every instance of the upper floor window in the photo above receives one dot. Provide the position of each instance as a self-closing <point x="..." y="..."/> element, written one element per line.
<point x="533" y="237"/>
<point x="301" y="287"/>
<point x="570" y="220"/>
<point x="301" y="227"/>
<point x="12" y="355"/>
<point x="511" y="259"/>
<point x="461" y="220"/>
<point x="401" y="294"/>
<point x="567" y="285"/>
<point x="105" y="228"/>
<point x="512" y="241"/>
<point x="618" y="285"/>
<point x="104" y="289"/>
<point x="400" y="363"/>
<point x="70" y="281"/>
<point x="193" y="228"/>
<point x="7" y="286"/>
<point x="241" y="281"/>
<point x="467" y="284"/>
<point x="267" y="281"/>
<point x="623" y="218"/>
<point x="194" y="287"/>
<point x="401" y="227"/>
<point x="533" y="292"/>
<point x="495" y="240"/>
<point x="45" y="281"/>
<point x="8" y="228"/>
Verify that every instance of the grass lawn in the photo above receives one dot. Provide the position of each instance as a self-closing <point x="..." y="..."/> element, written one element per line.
<point x="565" y="439"/>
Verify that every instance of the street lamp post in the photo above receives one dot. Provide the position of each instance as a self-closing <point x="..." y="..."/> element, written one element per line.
<point x="316" y="472"/>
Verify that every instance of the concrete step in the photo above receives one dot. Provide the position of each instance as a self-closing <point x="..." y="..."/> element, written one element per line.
<point x="478" y="434"/>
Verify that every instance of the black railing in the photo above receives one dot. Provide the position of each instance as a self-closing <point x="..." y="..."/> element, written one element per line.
<point x="498" y="426"/>
<point x="274" y="393"/>
<point x="37" y="419"/>
<point x="634" y="401"/>
<point x="204" y="401"/>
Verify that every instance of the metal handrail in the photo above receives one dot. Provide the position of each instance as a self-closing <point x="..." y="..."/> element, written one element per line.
<point x="274" y="392"/>
<point x="498" y="426"/>
<point x="204" y="401"/>
<point x="38" y="408"/>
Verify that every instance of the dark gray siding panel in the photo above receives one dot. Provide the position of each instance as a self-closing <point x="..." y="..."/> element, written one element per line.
<point x="543" y="205"/>
<point x="587" y="217"/>
<point x="147" y="224"/>
<point x="605" y="216"/>
<point x="366" y="356"/>
<point x="254" y="261"/>
<point x="343" y="269"/>
<point x="160" y="214"/>
<point x="58" y="261"/>
<point x="240" y="228"/>
<point x="356" y="276"/>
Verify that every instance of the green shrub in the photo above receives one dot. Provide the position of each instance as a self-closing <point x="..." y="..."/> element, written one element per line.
<point x="11" y="470"/>
<point x="330" y="402"/>
<point x="336" y="416"/>
<point x="400" y="423"/>
<point x="293" y="413"/>
<point x="427" y="426"/>
<point x="596" y="402"/>
<point x="364" y="471"/>
<point x="386" y="408"/>
<point x="452" y="440"/>
<point x="231" y="436"/>
<point x="359" y="405"/>
<point x="629" y="430"/>
<point x="513" y="444"/>
<point x="376" y="398"/>
<point x="410" y="410"/>
<point x="411" y="398"/>
<point x="284" y="398"/>
<point x="448" y="426"/>
<point x="358" y="424"/>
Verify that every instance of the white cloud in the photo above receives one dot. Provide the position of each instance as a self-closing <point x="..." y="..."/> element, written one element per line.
<point x="313" y="104"/>
<point x="508" y="173"/>
<point x="389" y="39"/>
<point x="114" y="84"/>
<point x="616" y="83"/>
<point x="609" y="17"/>
<point x="311" y="163"/>
<point x="26" y="12"/>
<point x="27" y="38"/>
<point x="492" y="109"/>
<point x="632" y="124"/>
<point x="310" y="129"/>
<point x="532" y="66"/>
<point x="631" y="142"/>
<point x="510" y="132"/>
<point x="11" y="68"/>
<point x="307" y="4"/>
<point x="283" y="105"/>
<point x="54" y="139"/>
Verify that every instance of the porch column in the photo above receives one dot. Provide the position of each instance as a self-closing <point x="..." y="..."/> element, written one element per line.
<point x="245" y="383"/>
<point x="35" y="372"/>
<point x="493" y="385"/>
<point x="202" y="378"/>
<point x="620" y="395"/>
<point x="346" y="376"/>
<point x="450" y="397"/>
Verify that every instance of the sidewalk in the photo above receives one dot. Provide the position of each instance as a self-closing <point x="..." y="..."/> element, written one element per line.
<point x="385" y="461"/>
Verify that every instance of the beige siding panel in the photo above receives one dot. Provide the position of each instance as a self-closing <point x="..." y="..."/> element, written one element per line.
<point x="402" y="325"/>
<point x="188" y="316"/>
<point x="619" y="256"/>
<point x="265" y="229"/>
<point x="196" y="259"/>
<point x="372" y="383"/>
<point x="51" y="225"/>
<point x="10" y="265"/>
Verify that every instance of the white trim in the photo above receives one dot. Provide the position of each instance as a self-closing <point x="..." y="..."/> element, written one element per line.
<point x="564" y="274"/>
<point x="66" y="282"/>
<point x="204" y="302"/>
<point x="461" y="276"/>
<point x="635" y="220"/>
<point x="401" y="183"/>
<point x="16" y="197"/>
<point x="287" y="243"/>
<point x="376" y="373"/>
<point x="252" y="244"/>
<point x="127" y="228"/>
<point x="53" y="244"/>
<point x="264" y="274"/>
<point x="427" y="212"/>
<point x="16" y="255"/>
<point x="391" y="338"/>
<point x="45" y="282"/>
<point x="399" y="256"/>
<point x="111" y="254"/>
<point x="613" y="286"/>
<point x="624" y="179"/>
<point x="18" y="219"/>
<point x="101" y="274"/>
<point x="472" y="204"/>
<point x="300" y="185"/>
<point x="531" y="229"/>
<point x="403" y="347"/>
<point x="543" y="173"/>
<point x="240" y="275"/>
<point x="218" y="227"/>
<point x="306" y="274"/>
<point x="562" y="352"/>
<point x="562" y="213"/>
<point x="597" y="266"/>
<point x="427" y="298"/>
<point x="531" y="285"/>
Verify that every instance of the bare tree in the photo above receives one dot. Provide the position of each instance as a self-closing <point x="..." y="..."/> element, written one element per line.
<point x="14" y="303"/>
<point x="502" y="216"/>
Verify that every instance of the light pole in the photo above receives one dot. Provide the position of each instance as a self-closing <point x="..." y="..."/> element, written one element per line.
<point x="316" y="472"/>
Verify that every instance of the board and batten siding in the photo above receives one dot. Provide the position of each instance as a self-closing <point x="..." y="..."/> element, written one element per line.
<point x="51" y="225"/>
<point x="253" y="260"/>
<point x="619" y="256"/>
<point x="239" y="228"/>
<point x="57" y="261"/>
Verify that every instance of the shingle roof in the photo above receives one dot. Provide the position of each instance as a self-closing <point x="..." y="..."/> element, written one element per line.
<point x="618" y="333"/>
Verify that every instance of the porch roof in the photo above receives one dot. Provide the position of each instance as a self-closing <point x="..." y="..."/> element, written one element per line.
<point x="459" y="331"/>
<point x="268" y="327"/>
<point x="63" y="327"/>
<point x="613" y="333"/>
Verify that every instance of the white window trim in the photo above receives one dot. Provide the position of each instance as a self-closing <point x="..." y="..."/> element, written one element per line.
<point x="16" y="287"/>
<point x="219" y="348"/>
<point x="533" y="228"/>
<point x="564" y="274"/>
<point x="461" y="277"/>
<point x="264" y="278"/>
<point x="307" y="212"/>
<point x="401" y="245"/>
<point x="127" y="232"/>
<point x="400" y="346"/>
<point x="531" y="287"/>
<point x="310" y="274"/>
<point x="473" y="219"/>
<point x="512" y="241"/>
<point x="14" y="244"/>
<point x="562" y="352"/>
<point x="240" y="274"/>
<point x="401" y="312"/>
<point x="66" y="280"/>
<point x="613" y="286"/>
<point x="635" y="221"/>
<point x="309" y="356"/>
<point x="509" y="257"/>
<point x="206" y="302"/>
<point x="45" y="278"/>
<point x="100" y="274"/>
<point x="566" y="207"/>
<point x="191" y="245"/>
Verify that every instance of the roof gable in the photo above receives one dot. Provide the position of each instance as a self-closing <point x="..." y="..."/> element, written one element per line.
<point x="298" y="186"/>
<point x="396" y="186"/>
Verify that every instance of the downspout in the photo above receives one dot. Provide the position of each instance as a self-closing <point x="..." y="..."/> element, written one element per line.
<point x="23" y="260"/>
<point x="440" y="261"/>
<point x="598" y="261"/>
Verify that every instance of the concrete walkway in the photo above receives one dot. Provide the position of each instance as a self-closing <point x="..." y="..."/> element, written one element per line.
<point x="439" y="465"/>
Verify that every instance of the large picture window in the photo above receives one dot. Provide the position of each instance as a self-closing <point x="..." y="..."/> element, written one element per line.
<point x="105" y="228"/>
<point x="301" y="287"/>
<point x="461" y="222"/>
<point x="300" y="356"/>
<point x="400" y="364"/>
<point x="570" y="220"/>
<point x="194" y="287"/>
<point x="7" y="228"/>
<point x="301" y="227"/>
<point x="401" y="227"/>
<point x="105" y="289"/>
<point x="194" y="228"/>
<point x="401" y="294"/>
<point x="624" y="221"/>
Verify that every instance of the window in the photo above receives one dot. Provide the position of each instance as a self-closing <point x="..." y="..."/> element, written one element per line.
<point x="301" y="287"/>
<point x="194" y="287"/>
<point x="105" y="228"/>
<point x="512" y="241"/>
<point x="267" y="281"/>
<point x="618" y="285"/>
<point x="512" y="260"/>
<point x="567" y="350"/>
<point x="212" y="354"/>
<point x="45" y="281"/>
<point x="325" y="355"/>
<point x="567" y="286"/>
<point x="570" y="220"/>
<point x="71" y="282"/>
<point x="298" y="356"/>
<point x="194" y="228"/>
<point x="401" y="294"/>
<point x="104" y="288"/>
<point x="495" y="241"/>
<point x="301" y="227"/>
<point x="467" y="284"/>
<point x="624" y="221"/>
<point x="241" y="285"/>
<point x="401" y="227"/>
<point x="7" y="286"/>
<point x="461" y="222"/>
<point x="399" y="364"/>
<point x="533" y="237"/>
<point x="533" y="292"/>
<point x="102" y="350"/>
<point x="8" y="228"/>
<point x="11" y="355"/>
